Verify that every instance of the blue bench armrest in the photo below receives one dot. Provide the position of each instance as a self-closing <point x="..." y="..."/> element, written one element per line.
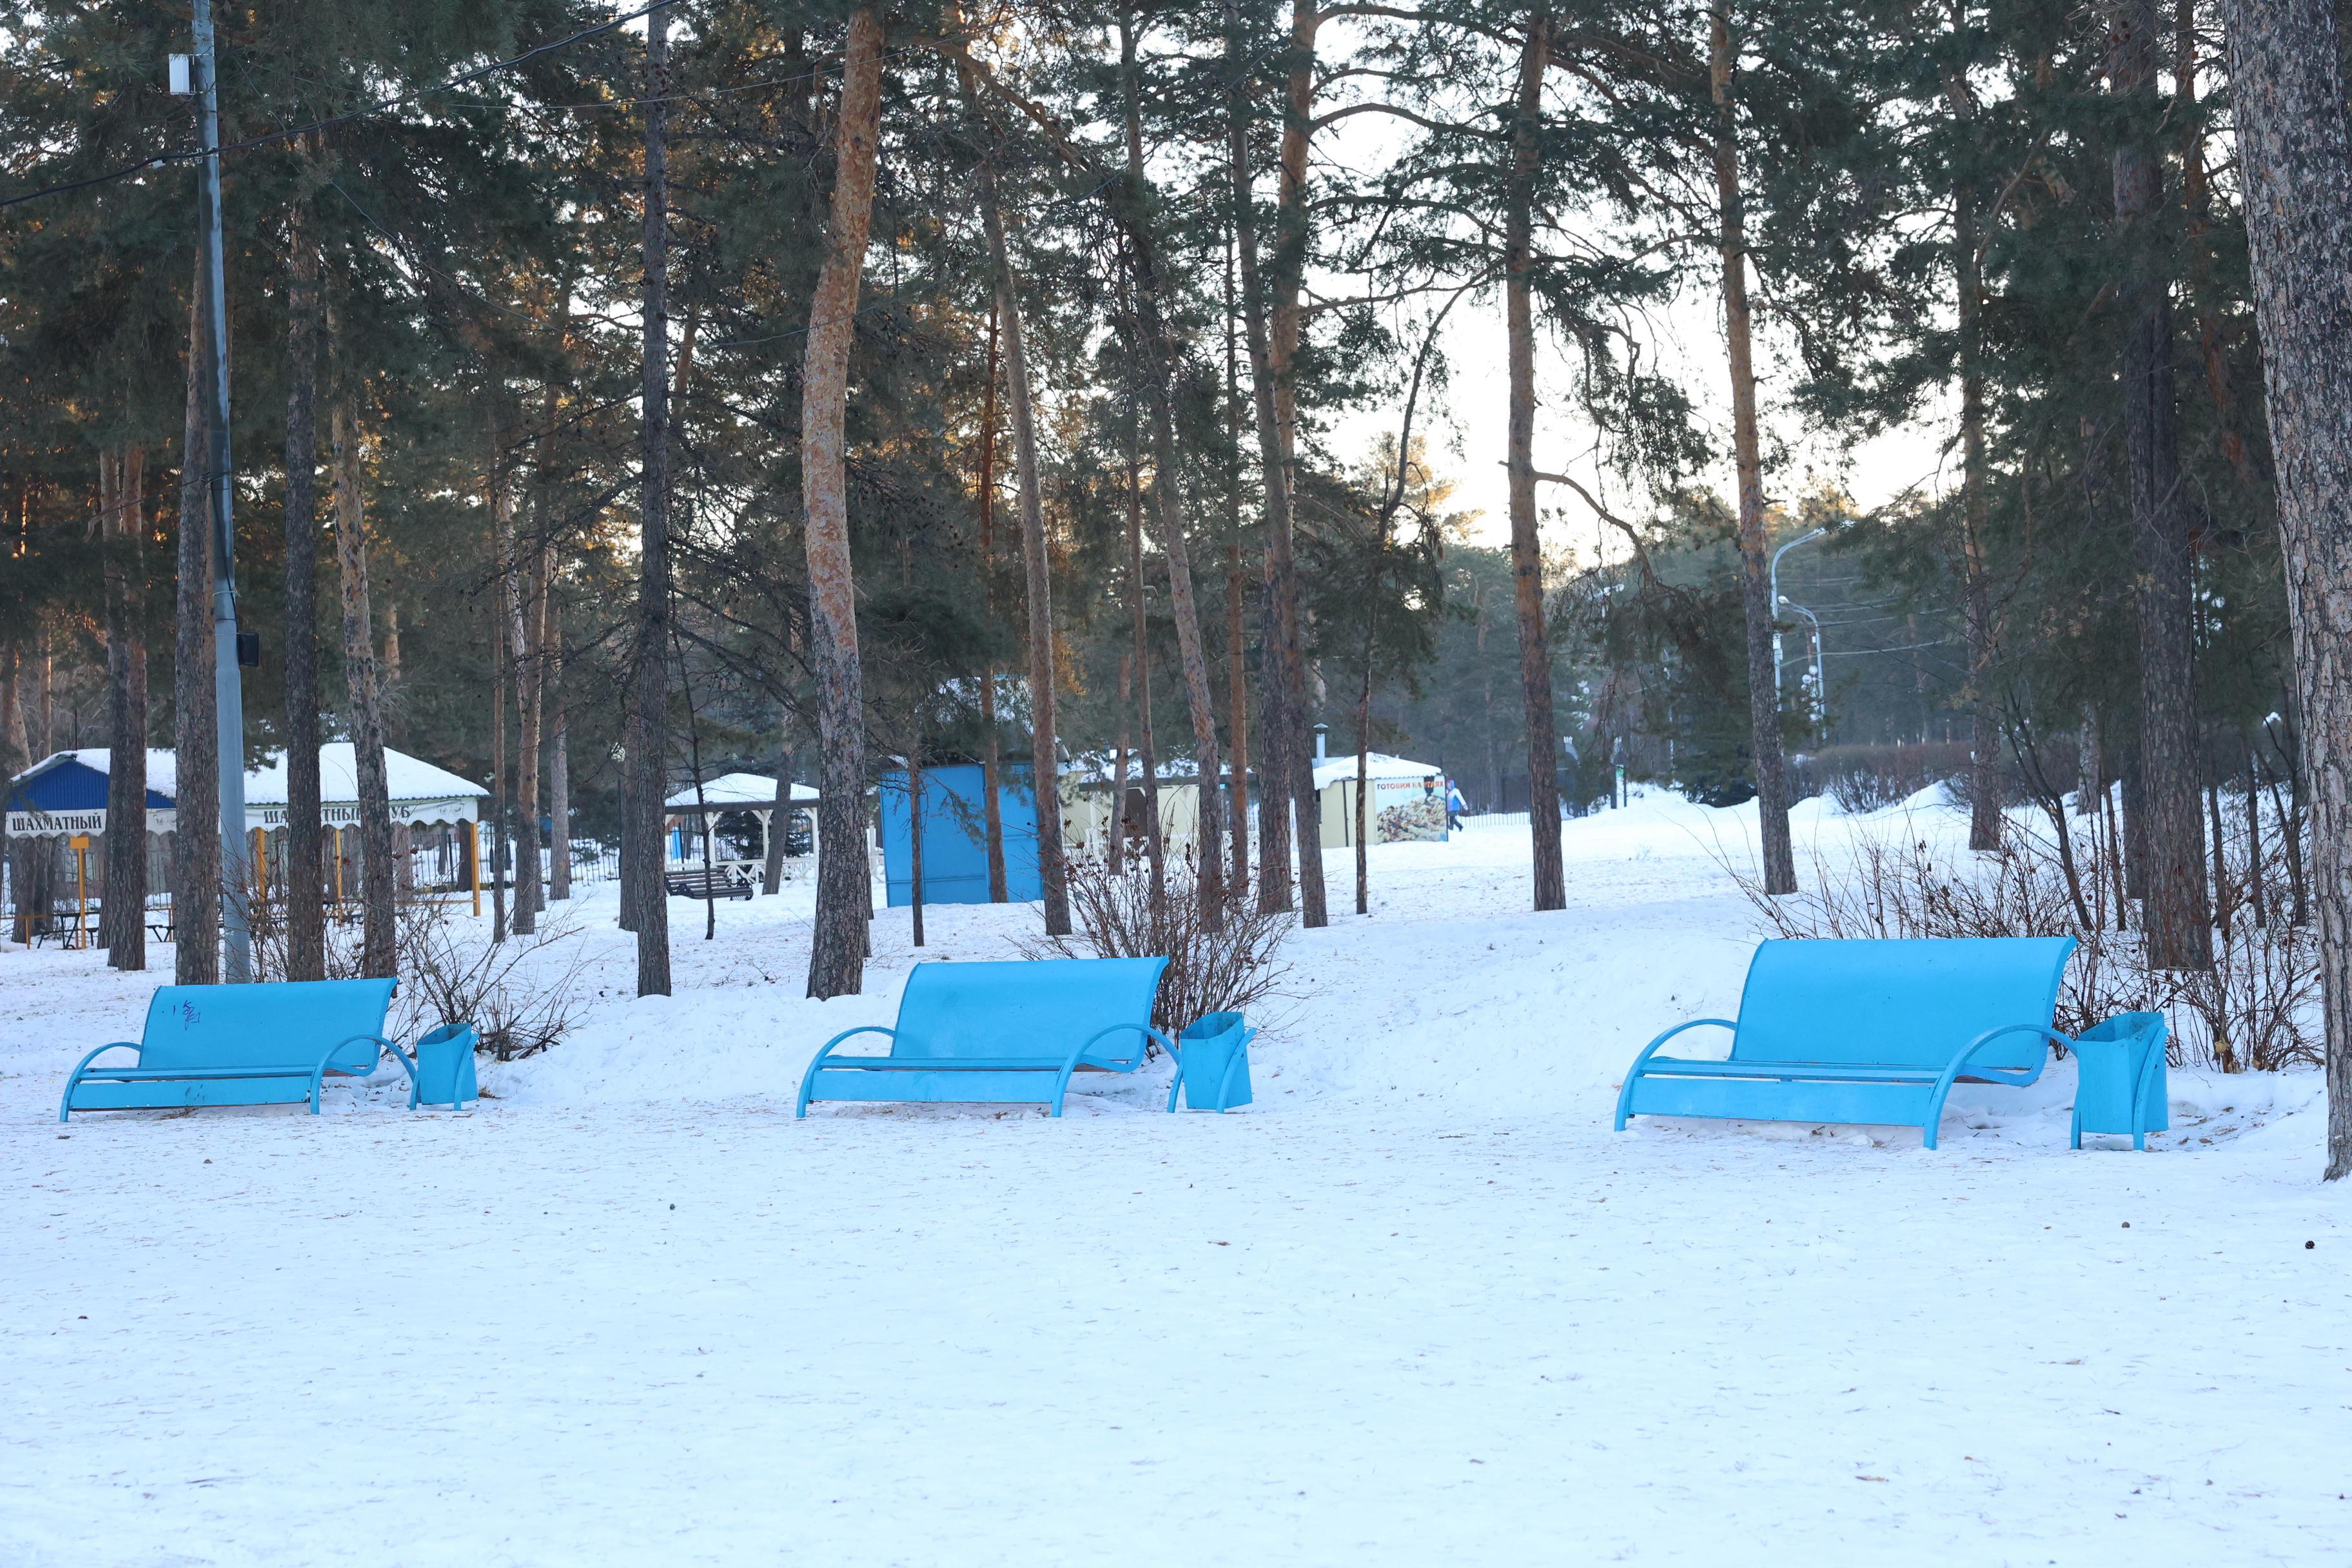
<point x="1995" y="1074"/>
<point x="1125" y="1064"/>
<point x="1633" y="1073"/>
<point x="65" y="1106"/>
<point x="318" y="1073"/>
<point x="817" y="1062"/>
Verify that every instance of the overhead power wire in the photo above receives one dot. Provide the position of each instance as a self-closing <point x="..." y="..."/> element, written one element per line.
<point x="190" y="155"/>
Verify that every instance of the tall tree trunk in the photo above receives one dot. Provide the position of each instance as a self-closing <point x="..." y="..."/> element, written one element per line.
<point x="1155" y="841"/>
<point x="499" y="797"/>
<point x="1285" y="327"/>
<point x="1968" y="279"/>
<point x="304" y="891"/>
<point x="122" y="502"/>
<point x="780" y="819"/>
<point x="378" y="957"/>
<point x="1115" y="854"/>
<point x="1167" y="496"/>
<point x="196" y="895"/>
<point x="992" y="806"/>
<point x="1272" y="322"/>
<point x="1237" y="709"/>
<point x="1278" y="672"/>
<point x="1045" y="752"/>
<point x="2176" y="917"/>
<point x="1364" y="778"/>
<point x="844" y="897"/>
<point x="1755" y="546"/>
<point x="527" y="595"/>
<point x="915" y="841"/>
<point x="1526" y="545"/>
<point x="649" y="684"/>
<point x="559" y="758"/>
<point x="2287" y="80"/>
<point x="1236" y="665"/>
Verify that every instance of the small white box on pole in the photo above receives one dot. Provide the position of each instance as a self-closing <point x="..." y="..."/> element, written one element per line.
<point x="180" y="74"/>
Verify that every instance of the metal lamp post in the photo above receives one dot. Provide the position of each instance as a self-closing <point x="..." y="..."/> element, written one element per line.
<point x="1778" y="601"/>
<point x="228" y="649"/>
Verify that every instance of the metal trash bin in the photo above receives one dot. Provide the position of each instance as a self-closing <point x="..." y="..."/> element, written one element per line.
<point x="1213" y="1064"/>
<point x="445" y="1067"/>
<point x="2122" y="1088"/>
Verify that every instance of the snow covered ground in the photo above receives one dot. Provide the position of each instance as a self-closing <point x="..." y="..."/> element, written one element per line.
<point x="1417" y="1305"/>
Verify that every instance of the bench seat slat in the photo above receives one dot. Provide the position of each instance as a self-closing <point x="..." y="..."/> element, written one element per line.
<point x="194" y="1074"/>
<point x="1801" y="1072"/>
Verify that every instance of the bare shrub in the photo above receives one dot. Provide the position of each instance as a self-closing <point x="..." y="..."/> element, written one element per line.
<point x="522" y="995"/>
<point x="2257" y="1008"/>
<point x="1227" y="971"/>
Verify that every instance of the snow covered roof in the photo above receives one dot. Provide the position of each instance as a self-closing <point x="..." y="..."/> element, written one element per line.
<point x="736" y="791"/>
<point x="406" y="778"/>
<point x="161" y="773"/>
<point x="1378" y="766"/>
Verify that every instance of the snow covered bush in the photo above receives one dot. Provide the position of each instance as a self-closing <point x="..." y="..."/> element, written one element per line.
<point x="2257" y="1008"/>
<point x="1116" y="916"/>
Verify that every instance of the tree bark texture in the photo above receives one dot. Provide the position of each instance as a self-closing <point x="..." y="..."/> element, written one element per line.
<point x="378" y="955"/>
<point x="196" y="893"/>
<point x="1755" y="546"/>
<point x="303" y="892"/>
<point x="1285" y="328"/>
<point x="2295" y="161"/>
<point x="1168" y="507"/>
<point x="991" y="806"/>
<point x="1526" y="545"/>
<point x="527" y="595"/>
<point x="2175" y="916"/>
<point x="837" y="954"/>
<point x="1280" y="676"/>
<point x="122" y="506"/>
<point x="1044" y="753"/>
<point x="780" y="819"/>
<point x="1968" y="277"/>
<point x="649" y="741"/>
<point x="1155" y="842"/>
<point x="559" y="754"/>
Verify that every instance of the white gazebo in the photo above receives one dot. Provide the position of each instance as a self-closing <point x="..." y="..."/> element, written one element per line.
<point x="696" y="815"/>
<point x="423" y="797"/>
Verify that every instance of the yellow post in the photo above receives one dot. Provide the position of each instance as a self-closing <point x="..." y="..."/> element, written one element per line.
<point x="260" y="866"/>
<point x="81" y="842"/>
<point x="474" y="833"/>
<point x="339" y="866"/>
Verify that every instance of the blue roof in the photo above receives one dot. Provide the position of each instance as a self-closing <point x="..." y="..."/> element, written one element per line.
<point x="64" y="782"/>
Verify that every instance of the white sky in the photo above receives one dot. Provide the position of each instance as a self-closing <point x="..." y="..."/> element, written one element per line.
<point x="1468" y="441"/>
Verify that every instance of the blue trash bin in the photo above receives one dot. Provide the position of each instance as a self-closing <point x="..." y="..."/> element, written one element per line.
<point x="445" y="1067"/>
<point x="1213" y="1064"/>
<point x="2121" y="1086"/>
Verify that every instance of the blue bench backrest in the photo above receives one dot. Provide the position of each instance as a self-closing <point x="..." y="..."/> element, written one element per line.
<point x="1900" y="1003"/>
<point x="1043" y="1007"/>
<point x="288" y="1023"/>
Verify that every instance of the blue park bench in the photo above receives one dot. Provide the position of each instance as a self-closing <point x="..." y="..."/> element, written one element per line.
<point x="999" y="1032"/>
<point x="241" y="1044"/>
<point x="1874" y="1032"/>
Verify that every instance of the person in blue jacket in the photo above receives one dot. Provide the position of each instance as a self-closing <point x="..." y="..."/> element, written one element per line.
<point x="1454" y="806"/>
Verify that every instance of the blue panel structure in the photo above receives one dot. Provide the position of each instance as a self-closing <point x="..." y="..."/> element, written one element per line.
<point x="955" y="836"/>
